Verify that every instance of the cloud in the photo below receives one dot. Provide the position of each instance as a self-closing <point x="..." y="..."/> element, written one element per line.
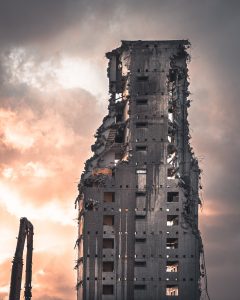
<point x="46" y="129"/>
<point x="52" y="277"/>
<point x="45" y="139"/>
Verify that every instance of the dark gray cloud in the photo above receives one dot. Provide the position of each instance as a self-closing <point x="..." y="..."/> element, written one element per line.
<point x="47" y="30"/>
<point x="26" y="21"/>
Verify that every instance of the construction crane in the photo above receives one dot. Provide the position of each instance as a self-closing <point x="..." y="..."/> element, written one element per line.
<point x="25" y="231"/>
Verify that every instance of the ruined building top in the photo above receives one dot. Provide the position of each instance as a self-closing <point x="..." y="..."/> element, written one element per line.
<point x="138" y="195"/>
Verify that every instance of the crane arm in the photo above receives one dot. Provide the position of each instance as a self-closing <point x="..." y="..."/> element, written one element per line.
<point x="28" y="280"/>
<point x="25" y="230"/>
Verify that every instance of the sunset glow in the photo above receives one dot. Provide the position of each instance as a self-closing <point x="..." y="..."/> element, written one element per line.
<point x="53" y="96"/>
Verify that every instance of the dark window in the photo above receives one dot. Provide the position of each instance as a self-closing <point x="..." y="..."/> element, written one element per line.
<point x="140" y="193"/>
<point x="109" y="197"/>
<point x="142" y="101"/>
<point x="108" y="220"/>
<point x="141" y="148"/>
<point x="140" y="240"/>
<point x="107" y="289"/>
<point x="140" y="217"/>
<point x="139" y="286"/>
<point x="172" y="243"/>
<point x="140" y="263"/>
<point x="142" y="78"/>
<point x="108" y="266"/>
<point x="172" y="220"/>
<point x="172" y="197"/>
<point x="108" y="243"/>
<point x="171" y="173"/>
<point x="141" y="124"/>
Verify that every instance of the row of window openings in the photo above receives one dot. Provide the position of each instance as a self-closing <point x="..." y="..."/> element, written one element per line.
<point x="172" y="220"/>
<point x="144" y="124"/>
<point x="171" y="290"/>
<point x="171" y="266"/>
<point x="138" y="239"/>
<point x="143" y="279"/>
<point x="144" y="192"/>
<point x="109" y="197"/>
<point x="136" y="209"/>
<point x="160" y="256"/>
<point x="144" y="232"/>
<point x="138" y="117"/>
<point x="142" y="256"/>
<point x="140" y="209"/>
<point x="171" y="243"/>
<point x="145" y="140"/>
<point x="146" y="70"/>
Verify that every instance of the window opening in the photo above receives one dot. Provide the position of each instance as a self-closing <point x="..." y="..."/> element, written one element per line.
<point x="171" y="173"/>
<point x="107" y="289"/>
<point x="140" y="240"/>
<point x="141" y="124"/>
<point x="172" y="220"/>
<point x="108" y="220"/>
<point x="172" y="243"/>
<point x="140" y="287"/>
<point x="142" y="101"/>
<point x="108" y="243"/>
<point x="142" y="78"/>
<point x="108" y="266"/>
<point x="141" y="148"/>
<point x="140" y="263"/>
<point x="172" y="266"/>
<point x="140" y="217"/>
<point x="172" y="197"/>
<point x="109" y="197"/>
<point x="171" y="290"/>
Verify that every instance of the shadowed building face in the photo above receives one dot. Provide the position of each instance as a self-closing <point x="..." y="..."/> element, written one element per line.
<point x="138" y="196"/>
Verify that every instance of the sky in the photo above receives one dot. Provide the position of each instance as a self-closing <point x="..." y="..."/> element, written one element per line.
<point x="53" y="96"/>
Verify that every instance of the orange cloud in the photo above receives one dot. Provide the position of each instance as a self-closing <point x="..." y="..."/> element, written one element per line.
<point x="45" y="139"/>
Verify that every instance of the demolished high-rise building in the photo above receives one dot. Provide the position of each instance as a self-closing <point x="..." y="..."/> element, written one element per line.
<point x="138" y="196"/>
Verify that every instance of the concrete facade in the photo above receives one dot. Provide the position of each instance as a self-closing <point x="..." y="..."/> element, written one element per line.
<point x="138" y="195"/>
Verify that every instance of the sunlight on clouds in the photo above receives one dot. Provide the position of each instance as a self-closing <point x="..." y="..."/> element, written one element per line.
<point x="75" y="72"/>
<point x="8" y="173"/>
<point x="54" y="73"/>
<point x="36" y="170"/>
<point x="25" y="68"/>
<point x="15" y="132"/>
<point x="23" y="130"/>
<point x="19" y="208"/>
<point x="17" y="137"/>
<point x="7" y="234"/>
<point x="4" y="289"/>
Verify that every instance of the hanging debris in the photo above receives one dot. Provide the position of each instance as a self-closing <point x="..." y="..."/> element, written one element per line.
<point x="139" y="192"/>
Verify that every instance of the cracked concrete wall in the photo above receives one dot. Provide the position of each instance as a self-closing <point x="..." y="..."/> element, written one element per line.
<point x="138" y="195"/>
